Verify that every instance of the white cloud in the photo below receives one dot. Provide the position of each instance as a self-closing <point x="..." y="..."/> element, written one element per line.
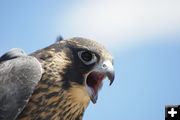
<point x="123" y="21"/>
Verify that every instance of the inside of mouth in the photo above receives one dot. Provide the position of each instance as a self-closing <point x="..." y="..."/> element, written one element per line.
<point x="94" y="80"/>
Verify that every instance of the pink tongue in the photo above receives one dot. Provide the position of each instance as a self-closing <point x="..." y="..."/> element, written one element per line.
<point x="97" y="77"/>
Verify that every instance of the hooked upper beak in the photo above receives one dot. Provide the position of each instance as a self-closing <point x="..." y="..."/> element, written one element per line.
<point x="109" y="70"/>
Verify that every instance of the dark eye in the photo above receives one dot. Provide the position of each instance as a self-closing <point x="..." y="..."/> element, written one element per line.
<point x="86" y="56"/>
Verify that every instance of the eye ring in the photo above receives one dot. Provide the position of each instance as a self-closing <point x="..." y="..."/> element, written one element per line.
<point x="87" y="57"/>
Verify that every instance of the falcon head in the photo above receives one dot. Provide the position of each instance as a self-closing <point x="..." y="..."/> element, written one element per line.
<point x="73" y="73"/>
<point x="90" y="64"/>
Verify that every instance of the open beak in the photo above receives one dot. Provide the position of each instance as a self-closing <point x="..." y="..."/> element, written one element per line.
<point x="96" y="76"/>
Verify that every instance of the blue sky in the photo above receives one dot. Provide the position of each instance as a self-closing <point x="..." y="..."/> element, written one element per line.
<point x="143" y="37"/>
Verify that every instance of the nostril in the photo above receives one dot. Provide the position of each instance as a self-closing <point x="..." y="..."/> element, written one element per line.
<point x="104" y="65"/>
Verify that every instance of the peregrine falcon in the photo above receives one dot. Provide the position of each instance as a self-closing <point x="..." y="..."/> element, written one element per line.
<point x="53" y="83"/>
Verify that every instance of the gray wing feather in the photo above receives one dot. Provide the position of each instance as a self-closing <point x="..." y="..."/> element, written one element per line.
<point x="18" y="78"/>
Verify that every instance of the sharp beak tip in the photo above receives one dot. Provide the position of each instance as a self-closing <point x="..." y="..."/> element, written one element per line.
<point x="111" y="80"/>
<point x="111" y="76"/>
<point x="111" y="83"/>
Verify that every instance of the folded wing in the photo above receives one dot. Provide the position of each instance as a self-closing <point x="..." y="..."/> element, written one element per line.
<point x="19" y="75"/>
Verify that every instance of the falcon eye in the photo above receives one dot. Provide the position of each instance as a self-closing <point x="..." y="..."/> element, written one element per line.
<point x="86" y="57"/>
